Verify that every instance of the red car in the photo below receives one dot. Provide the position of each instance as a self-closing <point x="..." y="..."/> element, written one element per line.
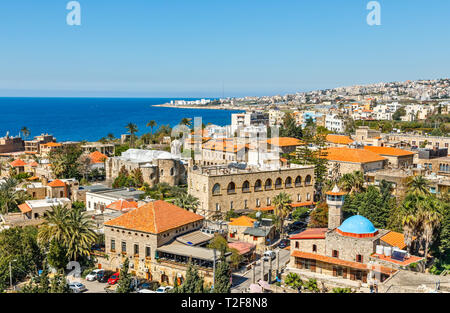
<point x="113" y="279"/>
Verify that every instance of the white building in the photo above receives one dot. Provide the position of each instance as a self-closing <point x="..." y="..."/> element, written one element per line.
<point x="334" y="123"/>
<point x="98" y="200"/>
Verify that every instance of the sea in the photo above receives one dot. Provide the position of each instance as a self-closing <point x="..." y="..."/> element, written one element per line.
<point x="77" y="119"/>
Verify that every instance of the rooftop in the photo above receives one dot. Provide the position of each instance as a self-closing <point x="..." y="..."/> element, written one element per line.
<point x="242" y="221"/>
<point x="312" y="233"/>
<point x="143" y="156"/>
<point x="97" y="157"/>
<point x="122" y="205"/>
<point x="155" y="217"/>
<point x="285" y="141"/>
<point x="243" y="168"/>
<point x="189" y="251"/>
<point x="352" y="155"/>
<point x="339" y="139"/>
<point x="195" y="238"/>
<point x="388" y="151"/>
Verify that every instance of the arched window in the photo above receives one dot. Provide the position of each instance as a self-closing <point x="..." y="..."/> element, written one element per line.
<point x="308" y="180"/>
<point x="231" y="188"/>
<point x="268" y="184"/>
<point x="172" y="171"/>
<point x="258" y="185"/>
<point x="216" y="189"/>
<point x="298" y="181"/>
<point x="288" y="182"/>
<point x="246" y="186"/>
<point x="278" y="183"/>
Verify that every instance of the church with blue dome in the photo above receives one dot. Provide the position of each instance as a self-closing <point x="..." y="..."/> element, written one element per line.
<point x="348" y="249"/>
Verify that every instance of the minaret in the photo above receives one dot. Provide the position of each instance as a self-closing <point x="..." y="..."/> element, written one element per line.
<point x="335" y="201"/>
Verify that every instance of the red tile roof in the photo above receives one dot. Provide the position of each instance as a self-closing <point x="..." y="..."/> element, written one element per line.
<point x="24" y="208"/>
<point x="395" y="239"/>
<point x="339" y="139"/>
<point x="57" y="183"/>
<point x="155" y="217"/>
<point x="123" y="205"/>
<point x="33" y="164"/>
<point x="18" y="163"/>
<point x="242" y="247"/>
<point x="410" y="260"/>
<point x="352" y="155"/>
<point x="312" y="233"/>
<point x="285" y="142"/>
<point x="388" y="151"/>
<point x="97" y="157"/>
<point x="355" y="265"/>
<point x="242" y="221"/>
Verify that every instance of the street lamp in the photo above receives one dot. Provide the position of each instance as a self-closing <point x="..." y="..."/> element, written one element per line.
<point x="10" y="273"/>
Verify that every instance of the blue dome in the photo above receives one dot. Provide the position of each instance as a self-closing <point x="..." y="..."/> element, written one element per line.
<point x="357" y="224"/>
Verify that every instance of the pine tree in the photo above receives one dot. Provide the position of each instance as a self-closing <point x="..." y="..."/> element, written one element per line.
<point x="193" y="282"/>
<point x="222" y="284"/>
<point x="124" y="283"/>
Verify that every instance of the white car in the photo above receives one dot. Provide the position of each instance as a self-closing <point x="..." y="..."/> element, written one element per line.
<point x="269" y="255"/>
<point x="163" y="289"/>
<point x="77" y="287"/>
<point x="93" y="275"/>
<point x="145" y="291"/>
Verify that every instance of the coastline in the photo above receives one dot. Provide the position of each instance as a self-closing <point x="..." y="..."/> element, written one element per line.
<point x="196" y="107"/>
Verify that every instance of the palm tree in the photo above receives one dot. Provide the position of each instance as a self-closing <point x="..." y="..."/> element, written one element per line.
<point x="430" y="220"/>
<point x="110" y="137"/>
<point x="352" y="182"/>
<point x="282" y="205"/>
<point x="410" y="223"/>
<point x="10" y="198"/>
<point x="419" y="185"/>
<point x="25" y="132"/>
<point x="186" y="121"/>
<point x="187" y="202"/>
<point x="132" y="129"/>
<point x="72" y="228"/>
<point x="151" y="124"/>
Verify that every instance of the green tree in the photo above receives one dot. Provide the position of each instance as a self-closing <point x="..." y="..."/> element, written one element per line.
<point x="293" y="280"/>
<point x="124" y="283"/>
<point x="223" y="275"/>
<point x="193" y="283"/>
<point x="10" y="197"/>
<point x="419" y="185"/>
<point x="132" y="129"/>
<point x="57" y="255"/>
<point x="187" y="202"/>
<point x="290" y="128"/>
<point x="319" y="216"/>
<point x="65" y="161"/>
<point x="151" y="124"/>
<point x="25" y="132"/>
<point x="282" y="207"/>
<point x="398" y="114"/>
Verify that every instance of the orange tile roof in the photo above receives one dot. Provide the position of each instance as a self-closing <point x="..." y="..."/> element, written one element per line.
<point x="395" y="239"/>
<point x="225" y="145"/>
<point x="388" y="151"/>
<point x="352" y="155"/>
<point x="242" y="221"/>
<point x="293" y="205"/>
<point x="33" y="164"/>
<point x="18" y="163"/>
<point x="242" y="247"/>
<point x="328" y="259"/>
<point x="57" y="183"/>
<point x="155" y="217"/>
<point x="51" y="144"/>
<point x="339" y="139"/>
<point x="24" y="208"/>
<point x="123" y="205"/>
<point x="312" y="233"/>
<point x="97" y="157"/>
<point x="285" y="141"/>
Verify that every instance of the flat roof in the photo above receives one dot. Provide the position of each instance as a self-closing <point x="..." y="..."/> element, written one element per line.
<point x="189" y="251"/>
<point x="195" y="238"/>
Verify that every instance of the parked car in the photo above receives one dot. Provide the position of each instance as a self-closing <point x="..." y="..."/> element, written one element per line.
<point x="164" y="289"/>
<point x="93" y="275"/>
<point x="77" y="287"/>
<point x="269" y="255"/>
<point x="284" y="243"/>
<point x="145" y="291"/>
<point x="114" y="279"/>
<point x="147" y="284"/>
<point x="103" y="277"/>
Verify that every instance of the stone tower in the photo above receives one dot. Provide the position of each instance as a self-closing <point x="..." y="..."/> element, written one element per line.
<point x="335" y="201"/>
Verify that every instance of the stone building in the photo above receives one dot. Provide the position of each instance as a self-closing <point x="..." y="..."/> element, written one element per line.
<point x="222" y="188"/>
<point x="153" y="238"/>
<point x="346" y="160"/>
<point x="397" y="158"/>
<point x="35" y="209"/>
<point x="11" y="144"/>
<point x="156" y="166"/>
<point x="351" y="253"/>
<point x="34" y="146"/>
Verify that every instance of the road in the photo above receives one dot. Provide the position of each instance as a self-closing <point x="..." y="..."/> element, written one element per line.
<point x="242" y="281"/>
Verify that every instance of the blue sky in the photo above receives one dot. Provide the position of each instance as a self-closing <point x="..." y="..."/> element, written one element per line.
<point x="180" y="48"/>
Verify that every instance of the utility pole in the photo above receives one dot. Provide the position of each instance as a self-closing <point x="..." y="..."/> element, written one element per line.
<point x="214" y="268"/>
<point x="262" y="268"/>
<point x="253" y="272"/>
<point x="278" y="263"/>
<point x="269" y="279"/>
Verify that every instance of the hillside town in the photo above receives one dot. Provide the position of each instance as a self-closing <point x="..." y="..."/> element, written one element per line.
<point x="343" y="190"/>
